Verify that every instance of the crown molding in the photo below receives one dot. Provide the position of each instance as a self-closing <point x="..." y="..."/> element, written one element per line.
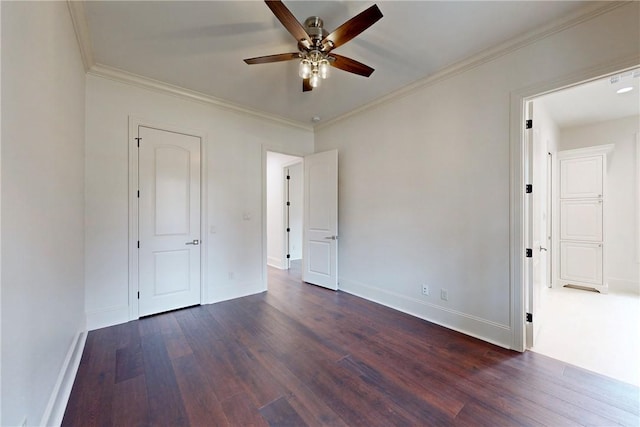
<point x="126" y="77"/>
<point x="585" y="14"/>
<point x="81" y="28"/>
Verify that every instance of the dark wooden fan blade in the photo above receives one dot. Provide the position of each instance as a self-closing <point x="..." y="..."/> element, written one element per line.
<point x="352" y="28"/>
<point x="273" y="58"/>
<point x="284" y="15"/>
<point x="351" y="65"/>
<point x="306" y="85"/>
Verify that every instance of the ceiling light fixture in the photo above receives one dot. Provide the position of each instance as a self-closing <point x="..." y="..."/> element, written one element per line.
<point x="624" y="82"/>
<point x="315" y="44"/>
<point x="314" y="66"/>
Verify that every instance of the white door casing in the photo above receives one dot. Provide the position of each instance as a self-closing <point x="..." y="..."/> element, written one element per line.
<point x="530" y="295"/>
<point x="169" y="220"/>
<point x="320" y="246"/>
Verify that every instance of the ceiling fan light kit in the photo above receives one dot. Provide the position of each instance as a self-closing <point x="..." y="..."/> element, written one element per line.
<point x="315" y="44"/>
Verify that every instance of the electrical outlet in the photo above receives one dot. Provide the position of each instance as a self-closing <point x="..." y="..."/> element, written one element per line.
<point x="425" y="290"/>
<point x="444" y="295"/>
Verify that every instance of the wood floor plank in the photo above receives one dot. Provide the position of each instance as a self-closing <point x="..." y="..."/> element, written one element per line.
<point x="93" y="391"/>
<point x="304" y="355"/>
<point x="130" y="403"/>
<point x="129" y="363"/>
<point x="280" y="413"/>
<point x="165" y="400"/>
<point x="241" y="412"/>
<point x="198" y="393"/>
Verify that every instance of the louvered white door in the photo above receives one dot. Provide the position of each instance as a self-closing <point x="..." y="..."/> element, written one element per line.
<point x="169" y="220"/>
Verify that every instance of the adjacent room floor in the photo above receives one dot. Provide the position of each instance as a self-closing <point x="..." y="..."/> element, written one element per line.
<point x="598" y="332"/>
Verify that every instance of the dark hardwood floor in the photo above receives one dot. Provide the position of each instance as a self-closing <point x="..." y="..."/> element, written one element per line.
<point x="302" y="355"/>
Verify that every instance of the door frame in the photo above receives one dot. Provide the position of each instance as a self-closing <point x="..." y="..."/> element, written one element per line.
<point x="518" y="227"/>
<point x="268" y="149"/>
<point x="286" y="213"/>
<point x="134" y="123"/>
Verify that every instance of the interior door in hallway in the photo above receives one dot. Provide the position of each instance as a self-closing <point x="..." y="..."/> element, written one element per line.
<point x="320" y="246"/>
<point x="169" y="220"/>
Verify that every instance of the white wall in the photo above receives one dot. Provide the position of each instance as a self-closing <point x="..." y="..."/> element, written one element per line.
<point x="621" y="268"/>
<point x="234" y="169"/>
<point x="276" y="245"/>
<point x="424" y="180"/>
<point x="42" y="242"/>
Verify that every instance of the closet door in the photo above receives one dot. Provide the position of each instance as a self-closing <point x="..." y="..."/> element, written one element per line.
<point x="581" y="178"/>
<point x="581" y="263"/>
<point x="581" y="220"/>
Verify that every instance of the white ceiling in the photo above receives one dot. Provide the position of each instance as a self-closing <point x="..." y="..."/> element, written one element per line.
<point x="593" y="102"/>
<point x="201" y="46"/>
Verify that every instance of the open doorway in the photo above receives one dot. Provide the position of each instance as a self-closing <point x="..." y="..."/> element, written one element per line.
<point x="584" y="225"/>
<point x="285" y="183"/>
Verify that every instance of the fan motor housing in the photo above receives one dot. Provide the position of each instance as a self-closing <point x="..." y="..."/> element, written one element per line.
<point x="315" y="28"/>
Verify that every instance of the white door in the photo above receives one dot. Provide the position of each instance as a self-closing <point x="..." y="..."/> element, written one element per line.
<point x="540" y="219"/>
<point x="169" y="220"/>
<point x="320" y="247"/>
<point x="581" y="262"/>
<point x="581" y="178"/>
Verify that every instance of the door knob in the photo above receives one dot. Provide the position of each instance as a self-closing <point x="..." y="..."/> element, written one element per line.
<point x="332" y="238"/>
<point x="543" y="249"/>
<point x="195" y="242"/>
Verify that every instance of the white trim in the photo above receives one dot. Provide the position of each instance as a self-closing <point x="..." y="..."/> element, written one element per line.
<point x="477" y="327"/>
<point x="126" y="77"/>
<point x="83" y="35"/>
<point x="275" y="262"/>
<point x="638" y="201"/>
<point x="585" y="14"/>
<point x="134" y="123"/>
<point x="596" y="150"/>
<point x="108" y="316"/>
<point x="516" y="180"/>
<point x="59" y="398"/>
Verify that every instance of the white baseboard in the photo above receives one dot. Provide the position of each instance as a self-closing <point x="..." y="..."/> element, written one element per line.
<point x="54" y="412"/>
<point x="623" y="286"/>
<point x="226" y="293"/>
<point x="474" y="326"/>
<point x="107" y="317"/>
<point x="275" y="262"/>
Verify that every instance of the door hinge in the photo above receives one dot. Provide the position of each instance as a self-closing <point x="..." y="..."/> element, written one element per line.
<point x="529" y="188"/>
<point x="138" y="140"/>
<point x="529" y="253"/>
<point x="528" y="124"/>
<point x="138" y="194"/>
<point x="288" y="177"/>
<point x="288" y="256"/>
<point x="530" y="317"/>
<point x="138" y="244"/>
<point x="138" y="294"/>
<point x="288" y="203"/>
<point x="288" y="230"/>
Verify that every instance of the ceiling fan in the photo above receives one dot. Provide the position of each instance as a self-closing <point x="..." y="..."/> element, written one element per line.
<point x="315" y="44"/>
